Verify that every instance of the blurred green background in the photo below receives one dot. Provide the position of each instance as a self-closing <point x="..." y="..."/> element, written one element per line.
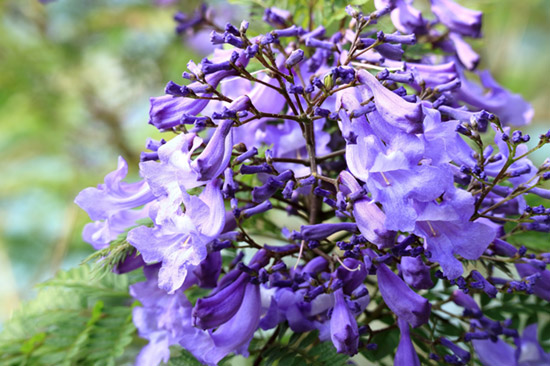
<point x="75" y="78"/>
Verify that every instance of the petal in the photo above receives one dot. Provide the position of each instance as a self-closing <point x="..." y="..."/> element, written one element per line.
<point x="344" y="332"/>
<point x="404" y="302"/>
<point x="405" y="354"/>
<point x="394" y="109"/>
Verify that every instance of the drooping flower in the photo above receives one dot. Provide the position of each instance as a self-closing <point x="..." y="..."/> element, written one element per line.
<point x="457" y="18"/>
<point x="395" y="110"/>
<point x="406" y="354"/>
<point x="343" y="326"/>
<point x="499" y="353"/>
<point x="404" y="302"/>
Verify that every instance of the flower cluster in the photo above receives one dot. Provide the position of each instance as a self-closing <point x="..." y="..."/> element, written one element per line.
<point x="379" y="160"/>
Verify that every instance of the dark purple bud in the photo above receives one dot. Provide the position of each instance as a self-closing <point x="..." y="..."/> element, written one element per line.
<point x="216" y="38"/>
<point x="255" y="169"/>
<point x="229" y="185"/>
<point x="391" y="51"/>
<point x="294" y="58"/>
<point x="264" y="192"/>
<point x="316" y="43"/>
<point x="154" y="145"/>
<point x="295" y="89"/>
<point x="487" y="287"/>
<point x="148" y="156"/>
<point x="230" y="28"/>
<point x="189" y="76"/>
<point x="292" y="31"/>
<point x="312" y="244"/>
<point x="368" y="108"/>
<point x="247" y="155"/>
<point x="251" y="51"/>
<point x="321" y="112"/>
<point x="188" y="119"/>
<point x="522" y="250"/>
<point x="234" y="41"/>
<point x="460" y="352"/>
<point x="261" y="208"/>
<point x="276" y="17"/>
<point x="212" y="68"/>
<point x="220" y="245"/>
<point x="400" y="77"/>
<point x="466" y="301"/>
<point x="173" y="89"/>
<point x="279" y="266"/>
<point x="475" y="335"/>
<point x="308" y="181"/>
<point x="451" y="85"/>
<point x="313" y="293"/>
<point x="289" y="188"/>
<point x="268" y="39"/>
<point x="318" y="191"/>
<point x="517" y="137"/>
<point x="316" y="33"/>
<point x="518" y="171"/>
<point x="409" y="39"/>
<point x="244" y="26"/>
<point x="322" y="231"/>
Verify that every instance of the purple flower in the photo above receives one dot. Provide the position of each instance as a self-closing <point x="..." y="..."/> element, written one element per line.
<point x="343" y="326"/>
<point x="406" y="354"/>
<point x="211" y="312"/>
<point x="181" y="243"/>
<point x="112" y="205"/>
<point x="447" y="232"/>
<point x="499" y="353"/>
<point x="215" y="157"/>
<point x="404" y="302"/>
<point x="114" y="196"/>
<point x="457" y="18"/>
<point x="396" y="111"/>
<point x="466" y="54"/>
<point x="416" y="273"/>
<point x="176" y="172"/>
<point x="160" y="319"/>
<point x="541" y="287"/>
<point x="322" y="231"/>
<point x="405" y="18"/>
<point x="512" y="109"/>
<point x="369" y="217"/>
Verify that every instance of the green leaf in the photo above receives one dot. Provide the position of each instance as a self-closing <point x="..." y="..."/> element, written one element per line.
<point x="183" y="359"/>
<point x="75" y="320"/>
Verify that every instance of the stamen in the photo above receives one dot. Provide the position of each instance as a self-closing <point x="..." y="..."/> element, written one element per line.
<point x="346" y="267"/>
<point x="186" y="241"/>
<point x="385" y="179"/>
<point x="431" y="228"/>
<point x="302" y="244"/>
